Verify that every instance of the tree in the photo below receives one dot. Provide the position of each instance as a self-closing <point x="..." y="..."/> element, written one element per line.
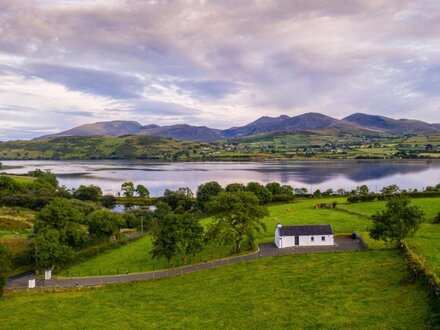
<point x="237" y="217"/>
<point x="301" y="191"/>
<point x="280" y="193"/>
<point x="363" y="190"/>
<point x="398" y="221"/>
<point x="108" y="201"/>
<point x="178" y="199"/>
<point x="263" y="194"/>
<point x="104" y="223"/>
<point x="62" y="216"/>
<point x="57" y="214"/>
<point x="5" y="267"/>
<point x="142" y="191"/>
<point x="317" y="193"/>
<point x="234" y="187"/>
<point x="389" y="190"/>
<point x="177" y="235"/>
<point x="50" y="252"/>
<point x="8" y="186"/>
<point x="127" y="189"/>
<point x="88" y="193"/>
<point x="205" y="192"/>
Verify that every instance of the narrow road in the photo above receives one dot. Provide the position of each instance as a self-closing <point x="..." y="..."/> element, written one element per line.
<point x="265" y="250"/>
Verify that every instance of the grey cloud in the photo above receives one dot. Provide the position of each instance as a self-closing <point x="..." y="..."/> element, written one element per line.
<point x="89" y="80"/>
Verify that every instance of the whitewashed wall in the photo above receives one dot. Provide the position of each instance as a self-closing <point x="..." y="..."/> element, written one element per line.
<point x="288" y="241"/>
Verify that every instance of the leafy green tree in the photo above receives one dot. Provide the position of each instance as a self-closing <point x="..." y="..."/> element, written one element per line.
<point x="237" y="217"/>
<point x="234" y="187"/>
<point x="50" y="251"/>
<point x="5" y="267"/>
<point x="58" y="214"/>
<point x="363" y="189"/>
<point x="280" y="193"/>
<point x="178" y="235"/>
<point x="104" y="223"/>
<point x="301" y="191"/>
<point x="263" y="194"/>
<point x="108" y="201"/>
<point x="128" y="189"/>
<point x="398" y="221"/>
<point x="178" y="199"/>
<point x="142" y="191"/>
<point x="9" y="186"/>
<point x="389" y="190"/>
<point x="205" y="192"/>
<point x="66" y="219"/>
<point x="88" y="193"/>
<point x="317" y="193"/>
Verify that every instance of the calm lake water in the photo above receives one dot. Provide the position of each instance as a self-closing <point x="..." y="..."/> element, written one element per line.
<point x="158" y="176"/>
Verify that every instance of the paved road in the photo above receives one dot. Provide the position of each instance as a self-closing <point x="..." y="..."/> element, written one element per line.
<point x="265" y="250"/>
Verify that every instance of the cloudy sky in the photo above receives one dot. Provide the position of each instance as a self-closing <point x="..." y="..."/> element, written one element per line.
<point x="215" y="63"/>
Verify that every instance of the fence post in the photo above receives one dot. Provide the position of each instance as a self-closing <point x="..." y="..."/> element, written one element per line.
<point x="117" y="270"/>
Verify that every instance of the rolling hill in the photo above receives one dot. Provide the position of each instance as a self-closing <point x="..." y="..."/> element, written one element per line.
<point x="367" y="124"/>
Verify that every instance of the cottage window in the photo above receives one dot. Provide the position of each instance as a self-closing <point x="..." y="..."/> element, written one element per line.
<point x="312" y="239"/>
<point x="323" y="238"/>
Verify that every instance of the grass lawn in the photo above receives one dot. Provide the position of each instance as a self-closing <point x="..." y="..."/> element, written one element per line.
<point x="430" y="205"/>
<point x="135" y="257"/>
<point x="426" y="242"/>
<point x="357" y="290"/>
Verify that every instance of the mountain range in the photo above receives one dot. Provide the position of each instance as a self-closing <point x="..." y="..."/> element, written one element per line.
<point x="306" y="122"/>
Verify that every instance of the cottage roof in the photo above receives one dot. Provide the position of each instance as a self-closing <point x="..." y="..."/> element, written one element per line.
<point x="305" y="230"/>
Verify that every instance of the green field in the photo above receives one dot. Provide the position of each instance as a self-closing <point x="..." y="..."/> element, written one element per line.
<point x="354" y="290"/>
<point x="136" y="257"/>
<point x="429" y="205"/>
<point x="426" y="242"/>
<point x="21" y="179"/>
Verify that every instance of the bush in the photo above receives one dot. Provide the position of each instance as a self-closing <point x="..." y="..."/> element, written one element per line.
<point x="108" y="201"/>
<point x="437" y="219"/>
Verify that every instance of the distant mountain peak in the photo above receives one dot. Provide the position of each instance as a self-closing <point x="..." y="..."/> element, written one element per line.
<point x="311" y="121"/>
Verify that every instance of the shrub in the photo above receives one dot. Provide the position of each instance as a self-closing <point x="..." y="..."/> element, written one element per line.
<point x="437" y="219"/>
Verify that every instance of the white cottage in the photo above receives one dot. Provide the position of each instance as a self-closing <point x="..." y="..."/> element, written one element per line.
<point x="313" y="235"/>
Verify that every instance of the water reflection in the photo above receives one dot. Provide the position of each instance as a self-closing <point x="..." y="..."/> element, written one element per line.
<point x="158" y="176"/>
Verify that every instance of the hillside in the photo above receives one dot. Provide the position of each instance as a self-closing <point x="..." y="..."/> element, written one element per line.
<point x="389" y="125"/>
<point x="97" y="147"/>
<point x="366" y="124"/>
<point x="328" y="290"/>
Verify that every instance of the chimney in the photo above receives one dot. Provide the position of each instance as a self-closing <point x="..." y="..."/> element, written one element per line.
<point x="279" y="225"/>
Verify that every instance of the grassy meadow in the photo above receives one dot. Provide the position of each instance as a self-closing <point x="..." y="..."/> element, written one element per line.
<point x="426" y="242"/>
<point x="353" y="290"/>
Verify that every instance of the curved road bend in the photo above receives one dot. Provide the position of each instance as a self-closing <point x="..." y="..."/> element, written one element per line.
<point x="265" y="250"/>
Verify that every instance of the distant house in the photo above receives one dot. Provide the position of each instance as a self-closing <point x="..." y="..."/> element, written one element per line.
<point x="313" y="235"/>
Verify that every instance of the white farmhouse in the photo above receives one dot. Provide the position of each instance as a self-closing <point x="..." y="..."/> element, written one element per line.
<point x="286" y="236"/>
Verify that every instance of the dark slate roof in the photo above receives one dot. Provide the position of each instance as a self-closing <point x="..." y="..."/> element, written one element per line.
<point x="306" y="230"/>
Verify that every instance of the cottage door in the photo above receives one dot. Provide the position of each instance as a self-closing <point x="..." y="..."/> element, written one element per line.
<point x="296" y="240"/>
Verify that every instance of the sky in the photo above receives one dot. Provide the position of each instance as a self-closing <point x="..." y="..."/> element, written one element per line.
<point x="214" y="63"/>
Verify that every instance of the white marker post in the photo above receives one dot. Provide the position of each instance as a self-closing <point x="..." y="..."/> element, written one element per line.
<point x="48" y="274"/>
<point x="31" y="284"/>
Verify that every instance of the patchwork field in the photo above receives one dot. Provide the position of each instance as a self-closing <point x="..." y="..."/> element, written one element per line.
<point x="430" y="205"/>
<point x="357" y="290"/>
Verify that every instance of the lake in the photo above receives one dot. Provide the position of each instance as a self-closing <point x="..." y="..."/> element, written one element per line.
<point x="158" y="176"/>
